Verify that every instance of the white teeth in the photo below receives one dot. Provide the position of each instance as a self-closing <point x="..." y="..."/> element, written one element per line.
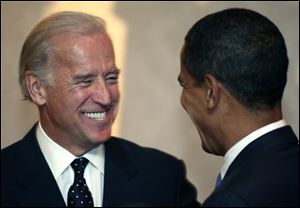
<point x="96" y="116"/>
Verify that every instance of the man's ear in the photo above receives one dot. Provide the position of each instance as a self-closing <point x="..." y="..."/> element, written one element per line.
<point x="35" y="88"/>
<point x="212" y="87"/>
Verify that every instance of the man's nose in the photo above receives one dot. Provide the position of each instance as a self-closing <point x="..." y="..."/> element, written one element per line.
<point x="101" y="93"/>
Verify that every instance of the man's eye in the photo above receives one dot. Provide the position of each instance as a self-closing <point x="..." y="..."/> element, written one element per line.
<point x="112" y="78"/>
<point x="85" y="82"/>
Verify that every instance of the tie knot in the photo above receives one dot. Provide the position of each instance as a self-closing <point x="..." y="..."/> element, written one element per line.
<point x="79" y="165"/>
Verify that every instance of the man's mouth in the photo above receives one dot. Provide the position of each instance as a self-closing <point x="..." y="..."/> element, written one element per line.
<point x="97" y="116"/>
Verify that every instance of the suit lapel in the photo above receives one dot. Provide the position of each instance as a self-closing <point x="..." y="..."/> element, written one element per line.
<point x="119" y="170"/>
<point x="38" y="184"/>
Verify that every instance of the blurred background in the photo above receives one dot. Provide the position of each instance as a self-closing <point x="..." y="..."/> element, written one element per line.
<point x="147" y="37"/>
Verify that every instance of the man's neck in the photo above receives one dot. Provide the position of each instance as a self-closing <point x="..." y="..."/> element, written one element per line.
<point x="243" y="122"/>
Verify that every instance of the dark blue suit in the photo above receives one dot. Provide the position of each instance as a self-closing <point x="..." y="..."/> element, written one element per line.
<point x="134" y="176"/>
<point x="265" y="173"/>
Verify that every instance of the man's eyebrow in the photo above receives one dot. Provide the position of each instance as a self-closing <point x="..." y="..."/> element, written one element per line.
<point x="80" y="77"/>
<point x="114" y="70"/>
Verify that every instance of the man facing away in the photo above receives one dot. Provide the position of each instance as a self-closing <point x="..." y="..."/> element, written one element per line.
<point x="233" y="73"/>
<point x="67" y="69"/>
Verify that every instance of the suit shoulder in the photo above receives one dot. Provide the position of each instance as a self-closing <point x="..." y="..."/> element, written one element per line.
<point x="20" y="146"/>
<point x="12" y="150"/>
<point x="139" y="152"/>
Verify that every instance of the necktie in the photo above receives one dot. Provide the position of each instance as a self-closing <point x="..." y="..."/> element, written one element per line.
<point x="79" y="194"/>
<point x="218" y="181"/>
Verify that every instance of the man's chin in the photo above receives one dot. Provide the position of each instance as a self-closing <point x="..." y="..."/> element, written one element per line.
<point x="210" y="150"/>
<point x="204" y="147"/>
<point x="101" y="136"/>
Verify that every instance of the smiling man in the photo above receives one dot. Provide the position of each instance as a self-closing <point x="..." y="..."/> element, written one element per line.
<point x="80" y="114"/>
<point x="67" y="69"/>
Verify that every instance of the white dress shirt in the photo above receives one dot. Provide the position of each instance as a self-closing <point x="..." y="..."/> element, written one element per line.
<point x="59" y="160"/>
<point x="233" y="152"/>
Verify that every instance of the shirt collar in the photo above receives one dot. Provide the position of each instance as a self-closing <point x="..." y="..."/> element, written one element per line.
<point x="58" y="158"/>
<point x="233" y="152"/>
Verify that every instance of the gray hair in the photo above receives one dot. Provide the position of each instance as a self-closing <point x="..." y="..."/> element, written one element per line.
<point x="38" y="46"/>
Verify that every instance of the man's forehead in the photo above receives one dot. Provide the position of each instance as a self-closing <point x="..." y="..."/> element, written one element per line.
<point x="70" y="49"/>
<point x="71" y="42"/>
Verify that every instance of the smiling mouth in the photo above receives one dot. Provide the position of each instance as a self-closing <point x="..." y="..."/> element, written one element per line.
<point x="97" y="116"/>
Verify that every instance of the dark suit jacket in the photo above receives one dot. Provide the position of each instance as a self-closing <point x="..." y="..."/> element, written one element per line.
<point x="265" y="173"/>
<point x="134" y="176"/>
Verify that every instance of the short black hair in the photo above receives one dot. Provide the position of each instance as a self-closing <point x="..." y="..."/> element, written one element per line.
<point x="244" y="51"/>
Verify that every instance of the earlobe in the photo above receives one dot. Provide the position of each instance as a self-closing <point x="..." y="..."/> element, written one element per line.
<point x="35" y="88"/>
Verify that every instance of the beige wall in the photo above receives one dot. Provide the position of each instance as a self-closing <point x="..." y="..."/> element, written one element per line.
<point x="148" y="37"/>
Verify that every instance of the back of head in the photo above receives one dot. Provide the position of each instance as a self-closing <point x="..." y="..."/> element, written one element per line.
<point x="38" y="47"/>
<point x="244" y="51"/>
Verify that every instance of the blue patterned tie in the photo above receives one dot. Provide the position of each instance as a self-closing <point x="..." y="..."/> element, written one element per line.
<point x="79" y="194"/>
